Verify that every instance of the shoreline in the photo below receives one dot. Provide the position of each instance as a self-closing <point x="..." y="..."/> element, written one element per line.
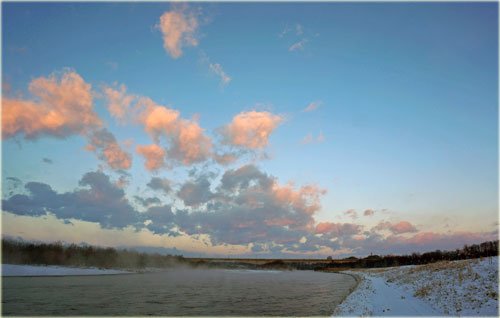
<point x="21" y="270"/>
<point x="457" y="288"/>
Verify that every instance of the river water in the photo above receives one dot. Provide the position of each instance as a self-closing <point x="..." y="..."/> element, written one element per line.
<point x="178" y="292"/>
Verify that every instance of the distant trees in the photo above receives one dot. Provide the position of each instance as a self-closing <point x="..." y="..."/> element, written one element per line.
<point x="485" y="249"/>
<point x="19" y="252"/>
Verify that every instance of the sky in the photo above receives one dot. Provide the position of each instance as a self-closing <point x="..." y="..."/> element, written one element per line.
<point x="251" y="129"/>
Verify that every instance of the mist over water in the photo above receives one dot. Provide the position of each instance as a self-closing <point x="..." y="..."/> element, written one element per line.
<point x="179" y="292"/>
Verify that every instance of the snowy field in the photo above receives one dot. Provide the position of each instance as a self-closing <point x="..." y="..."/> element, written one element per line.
<point x="28" y="270"/>
<point x="458" y="288"/>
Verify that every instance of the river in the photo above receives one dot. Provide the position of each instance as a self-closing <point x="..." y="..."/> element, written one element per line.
<point x="178" y="292"/>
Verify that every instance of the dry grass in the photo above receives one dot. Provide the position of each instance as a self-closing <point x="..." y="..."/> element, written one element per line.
<point x="423" y="292"/>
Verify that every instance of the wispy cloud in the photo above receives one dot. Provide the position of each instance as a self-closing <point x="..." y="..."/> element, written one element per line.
<point x="310" y="139"/>
<point x="313" y="106"/>
<point x="217" y="69"/>
<point x="298" y="45"/>
<point x="298" y="29"/>
<point x="351" y="213"/>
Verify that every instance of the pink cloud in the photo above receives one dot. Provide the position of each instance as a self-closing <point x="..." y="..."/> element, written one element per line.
<point x="158" y="120"/>
<point x="306" y="198"/>
<point x="251" y="129"/>
<point x="396" y="228"/>
<point x="187" y="142"/>
<point x="190" y="144"/>
<point x="62" y="106"/>
<point x="107" y="148"/>
<point x="118" y="101"/>
<point x="337" y="229"/>
<point x="225" y="159"/>
<point x="178" y="28"/>
<point x="154" y="155"/>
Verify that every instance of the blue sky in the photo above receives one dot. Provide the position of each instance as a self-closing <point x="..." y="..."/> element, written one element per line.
<point x="407" y="95"/>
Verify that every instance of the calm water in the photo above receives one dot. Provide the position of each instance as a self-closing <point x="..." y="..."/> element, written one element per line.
<point x="178" y="292"/>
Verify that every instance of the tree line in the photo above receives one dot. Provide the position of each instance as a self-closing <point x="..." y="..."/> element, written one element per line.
<point x="484" y="249"/>
<point x="21" y="252"/>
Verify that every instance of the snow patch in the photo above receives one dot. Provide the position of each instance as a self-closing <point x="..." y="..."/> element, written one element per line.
<point x="450" y="288"/>
<point x="30" y="270"/>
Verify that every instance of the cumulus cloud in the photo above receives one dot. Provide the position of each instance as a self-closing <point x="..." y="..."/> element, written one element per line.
<point x="178" y="28"/>
<point x="61" y="106"/>
<point x="312" y="106"/>
<point x="147" y="202"/>
<point x="107" y="148"/>
<point x="187" y="141"/>
<point x="196" y="192"/>
<point x="98" y="200"/>
<point x="251" y="129"/>
<point x="154" y="155"/>
<point x="217" y="69"/>
<point x="119" y="101"/>
<point x="160" y="184"/>
<point x="247" y="207"/>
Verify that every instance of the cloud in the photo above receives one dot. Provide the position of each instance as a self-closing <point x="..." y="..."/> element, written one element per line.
<point x="247" y="207"/>
<point x="196" y="192"/>
<point x="298" y="45"/>
<point x="369" y="212"/>
<point x="338" y="229"/>
<point x="160" y="184"/>
<point x="396" y="228"/>
<point x="147" y="202"/>
<point x="154" y="155"/>
<point x="118" y="101"/>
<point x="351" y="213"/>
<point x="47" y="161"/>
<point x="299" y="29"/>
<point x="187" y="142"/>
<point x="219" y="71"/>
<point x="226" y="158"/>
<point x="99" y="200"/>
<point x="178" y="28"/>
<point x="107" y="148"/>
<point x="251" y="129"/>
<point x="310" y="139"/>
<point x="312" y="106"/>
<point x="61" y="106"/>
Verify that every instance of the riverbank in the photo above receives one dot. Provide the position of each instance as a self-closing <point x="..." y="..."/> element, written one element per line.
<point x="456" y="288"/>
<point x="10" y="270"/>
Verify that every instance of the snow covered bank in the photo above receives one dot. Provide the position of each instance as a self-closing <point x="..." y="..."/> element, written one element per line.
<point x="29" y="270"/>
<point x="458" y="288"/>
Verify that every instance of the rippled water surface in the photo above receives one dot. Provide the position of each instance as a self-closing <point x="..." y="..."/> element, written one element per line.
<point x="178" y="292"/>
